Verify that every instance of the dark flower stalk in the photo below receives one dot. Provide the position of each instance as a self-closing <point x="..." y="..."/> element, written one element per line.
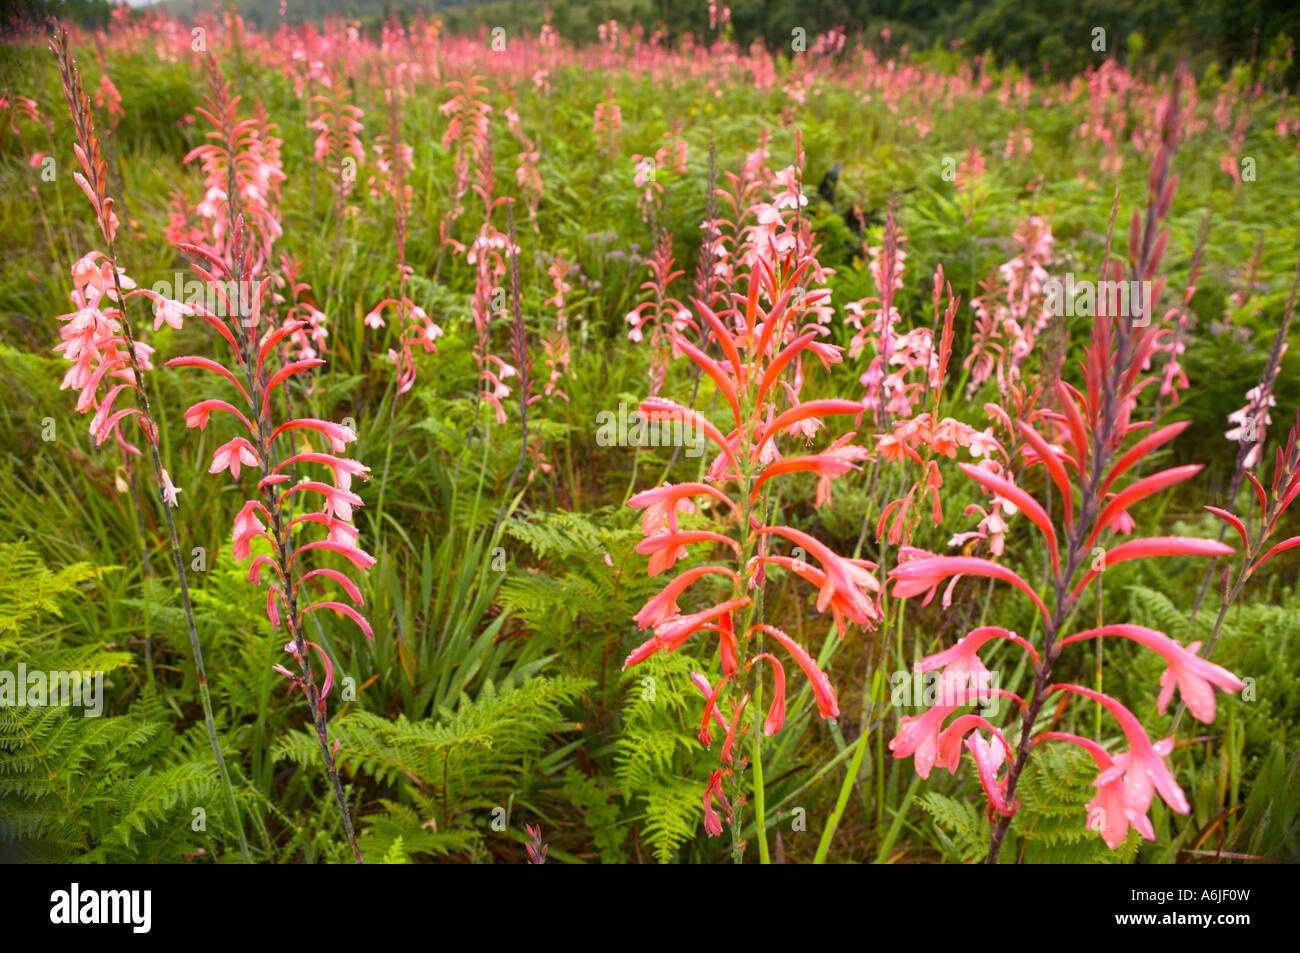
<point x="94" y="184"/>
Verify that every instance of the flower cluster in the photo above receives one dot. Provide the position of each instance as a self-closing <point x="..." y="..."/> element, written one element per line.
<point x="763" y="414"/>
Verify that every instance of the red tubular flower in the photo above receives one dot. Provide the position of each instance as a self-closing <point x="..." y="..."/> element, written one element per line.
<point x="776" y="713"/>
<point x="662" y="504"/>
<point x="232" y="455"/>
<point x="664" y="549"/>
<point x="918" y="737"/>
<point x="664" y="604"/>
<point x="1194" y="676"/>
<point x="922" y="575"/>
<point x="751" y="379"/>
<point x="1143" y="769"/>
<point x="821" y="685"/>
<point x="840" y="578"/>
<point x="952" y="737"/>
<point x="1156" y="546"/>
<point x="670" y="633"/>
<point x="1109" y="813"/>
<point x="963" y="671"/>
<point x="840" y="606"/>
<point x="988" y="759"/>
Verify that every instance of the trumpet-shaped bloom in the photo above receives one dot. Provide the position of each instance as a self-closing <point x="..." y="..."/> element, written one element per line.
<point x="1192" y="675"/>
<point x="170" y="490"/>
<point x="918" y="737"/>
<point x="233" y="455"/>
<point x="247" y="528"/>
<point x="1109" y="812"/>
<point x="965" y="680"/>
<point x="670" y="633"/>
<point x="1143" y="769"/>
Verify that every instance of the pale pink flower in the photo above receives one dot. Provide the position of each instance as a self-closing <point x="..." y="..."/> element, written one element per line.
<point x="232" y="455"/>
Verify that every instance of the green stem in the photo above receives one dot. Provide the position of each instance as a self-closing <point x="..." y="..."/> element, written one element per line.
<point x="842" y="801"/>
<point x="760" y="806"/>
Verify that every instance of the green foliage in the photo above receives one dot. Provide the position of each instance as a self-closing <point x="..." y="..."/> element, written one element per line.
<point x="450" y="774"/>
<point x="659" y="766"/>
<point x="960" y="828"/>
<point x="599" y="812"/>
<point x="109" y="789"/>
<point x="29" y="589"/>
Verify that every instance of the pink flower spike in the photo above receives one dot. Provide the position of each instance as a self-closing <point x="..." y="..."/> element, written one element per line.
<point x="1193" y="675"/>
<point x="233" y="455"/>
<point x="664" y="604"/>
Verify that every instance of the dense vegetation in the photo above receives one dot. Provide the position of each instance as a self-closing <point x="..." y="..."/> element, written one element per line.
<point x="477" y="360"/>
